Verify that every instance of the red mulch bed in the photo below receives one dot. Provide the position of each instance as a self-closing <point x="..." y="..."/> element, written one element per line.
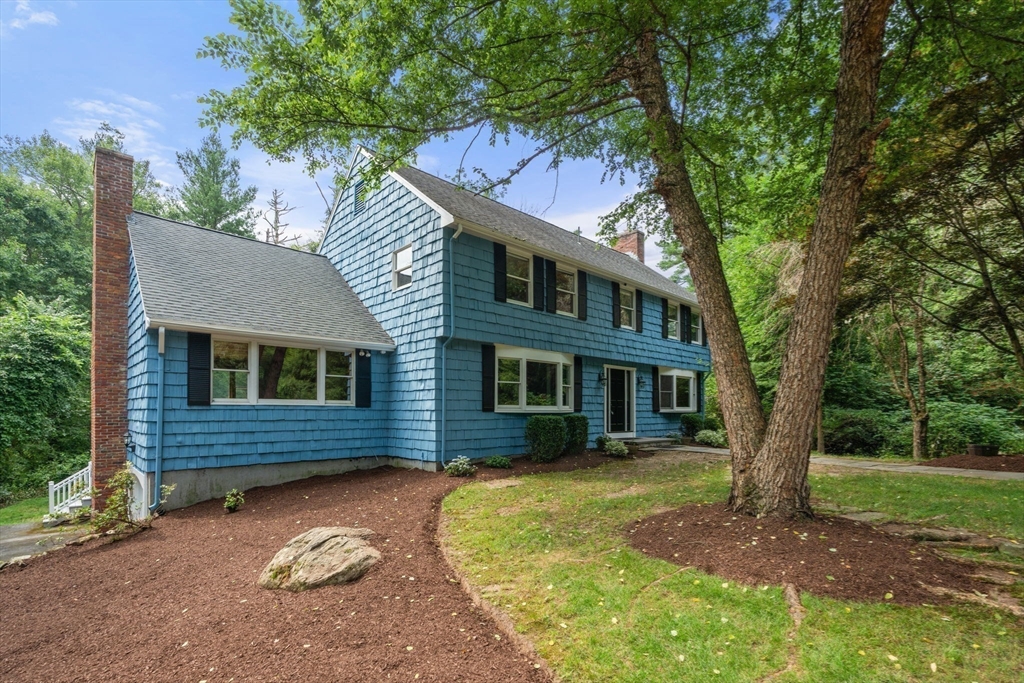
<point x="179" y="602"/>
<point x="997" y="463"/>
<point x="866" y="565"/>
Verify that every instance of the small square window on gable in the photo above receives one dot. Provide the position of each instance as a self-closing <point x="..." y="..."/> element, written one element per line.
<point x="401" y="268"/>
<point x="358" y="198"/>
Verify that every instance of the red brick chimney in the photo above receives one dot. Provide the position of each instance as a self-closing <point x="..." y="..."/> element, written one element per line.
<point x="631" y="243"/>
<point x="112" y="203"/>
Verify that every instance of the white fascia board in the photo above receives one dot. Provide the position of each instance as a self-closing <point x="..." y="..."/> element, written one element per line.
<point x="496" y="236"/>
<point x="282" y="337"/>
<point x="446" y="217"/>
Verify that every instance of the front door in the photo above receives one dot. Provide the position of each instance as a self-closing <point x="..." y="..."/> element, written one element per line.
<point x="618" y="401"/>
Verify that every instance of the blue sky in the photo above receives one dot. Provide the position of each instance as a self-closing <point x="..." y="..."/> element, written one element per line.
<point x="67" y="66"/>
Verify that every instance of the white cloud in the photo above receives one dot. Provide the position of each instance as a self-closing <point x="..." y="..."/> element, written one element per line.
<point x="25" y="16"/>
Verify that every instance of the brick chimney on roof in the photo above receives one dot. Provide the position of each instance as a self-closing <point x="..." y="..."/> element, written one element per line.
<point x="112" y="204"/>
<point x="631" y="243"/>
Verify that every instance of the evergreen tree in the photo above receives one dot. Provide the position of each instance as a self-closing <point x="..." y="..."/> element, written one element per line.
<point x="211" y="195"/>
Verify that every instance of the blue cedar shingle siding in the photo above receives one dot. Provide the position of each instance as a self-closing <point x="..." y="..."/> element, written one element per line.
<point x="405" y="417"/>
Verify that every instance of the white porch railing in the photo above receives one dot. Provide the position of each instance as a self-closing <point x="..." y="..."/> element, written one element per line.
<point x="72" y="490"/>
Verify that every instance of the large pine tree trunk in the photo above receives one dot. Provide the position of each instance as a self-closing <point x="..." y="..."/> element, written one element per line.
<point x="776" y="482"/>
<point x="921" y="436"/>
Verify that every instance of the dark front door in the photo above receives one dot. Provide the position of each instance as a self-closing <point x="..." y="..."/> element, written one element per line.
<point x="619" y="401"/>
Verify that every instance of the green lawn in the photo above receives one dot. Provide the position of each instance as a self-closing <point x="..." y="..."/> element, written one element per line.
<point x="28" y="510"/>
<point x="551" y="553"/>
<point x="984" y="505"/>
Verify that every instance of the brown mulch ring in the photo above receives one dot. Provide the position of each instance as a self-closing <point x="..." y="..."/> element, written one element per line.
<point x="179" y="601"/>
<point x="829" y="556"/>
<point x="997" y="463"/>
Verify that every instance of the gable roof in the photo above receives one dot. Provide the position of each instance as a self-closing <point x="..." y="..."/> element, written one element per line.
<point x="491" y="216"/>
<point x="204" y="280"/>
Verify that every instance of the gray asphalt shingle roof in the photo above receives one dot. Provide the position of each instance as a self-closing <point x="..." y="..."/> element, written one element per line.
<point x="523" y="227"/>
<point x="207" y="279"/>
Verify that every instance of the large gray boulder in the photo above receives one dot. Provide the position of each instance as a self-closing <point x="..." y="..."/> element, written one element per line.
<point x="322" y="556"/>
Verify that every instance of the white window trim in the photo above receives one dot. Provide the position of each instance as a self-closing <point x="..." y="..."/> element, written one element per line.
<point x="252" y="388"/>
<point x="700" y="327"/>
<point x="676" y="372"/>
<point x="524" y="355"/>
<point x="394" y="268"/>
<point x="575" y="289"/>
<point x="632" y="291"/>
<point x="529" y="280"/>
<point x="679" y="320"/>
<point x="632" y="402"/>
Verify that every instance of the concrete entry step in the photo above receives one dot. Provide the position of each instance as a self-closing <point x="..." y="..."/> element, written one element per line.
<point x="647" y="442"/>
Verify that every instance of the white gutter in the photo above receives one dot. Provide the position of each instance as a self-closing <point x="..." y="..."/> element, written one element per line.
<point x="269" y="336"/>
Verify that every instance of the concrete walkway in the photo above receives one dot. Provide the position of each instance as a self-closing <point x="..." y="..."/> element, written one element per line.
<point x="30" y="538"/>
<point x="876" y="465"/>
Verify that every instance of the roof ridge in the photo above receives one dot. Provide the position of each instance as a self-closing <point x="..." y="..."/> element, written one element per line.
<point x="228" y="234"/>
<point x="546" y="222"/>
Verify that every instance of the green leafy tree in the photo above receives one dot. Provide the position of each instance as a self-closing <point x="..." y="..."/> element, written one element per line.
<point x="211" y="195"/>
<point x="44" y="388"/>
<point x="41" y="254"/>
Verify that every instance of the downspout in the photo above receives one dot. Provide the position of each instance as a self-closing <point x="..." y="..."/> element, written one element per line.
<point x="161" y="333"/>
<point x="451" y="335"/>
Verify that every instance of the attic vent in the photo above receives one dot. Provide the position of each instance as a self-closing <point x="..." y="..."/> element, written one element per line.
<point x="359" y="205"/>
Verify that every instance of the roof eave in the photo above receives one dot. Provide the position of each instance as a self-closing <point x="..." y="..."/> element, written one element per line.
<point x="186" y="326"/>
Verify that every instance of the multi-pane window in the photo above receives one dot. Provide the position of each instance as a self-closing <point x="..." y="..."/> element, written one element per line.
<point x="533" y="380"/>
<point x="676" y="391"/>
<point x="338" y="376"/>
<point x="287" y="373"/>
<point x="695" y="329"/>
<point x="230" y="370"/>
<point x="673" y="321"/>
<point x="401" y="268"/>
<point x="627" y="307"/>
<point x="251" y="372"/>
<point x="565" y="296"/>
<point x="517" y="278"/>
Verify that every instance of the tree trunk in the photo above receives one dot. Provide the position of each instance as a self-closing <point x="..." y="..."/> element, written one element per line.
<point x="737" y="391"/>
<point x="921" y="436"/>
<point x="776" y="483"/>
<point x="821" y="429"/>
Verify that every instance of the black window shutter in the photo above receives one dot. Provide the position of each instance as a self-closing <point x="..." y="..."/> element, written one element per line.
<point x="581" y="295"/>
<point x="199" y="351"/>
<point x="703" y="332"/>
<point x="616" y="312"/>
<point x="364" y="383"/>
<point x="700" y="390"/>
<point x="664" y="318"/>
<point x="550" y="273"/>
<point x="499" y="272"/>
<point x="538" y="283"/>
<point x="656" y="383"/>
<point x="639" y="303"/>
<point x="577" y="384"/>
<point x="685" y="322"/>
<point x="488" y="369"/>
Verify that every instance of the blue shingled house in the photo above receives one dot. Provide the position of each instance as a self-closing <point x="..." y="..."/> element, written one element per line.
<point x="431" y="324"/>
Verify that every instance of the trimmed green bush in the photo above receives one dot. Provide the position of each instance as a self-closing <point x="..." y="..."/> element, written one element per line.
<point x="499" y="461"/>
<point x="459" y="467"/>
<point x="616" y="449"/>
<point x="545" y="436"/>
<point x="601" y="442"/>
<point x="859" y="432"/>
<point x="691" y="423"/>
<point x="712" y="437"/>
<point x="577" y="431"/>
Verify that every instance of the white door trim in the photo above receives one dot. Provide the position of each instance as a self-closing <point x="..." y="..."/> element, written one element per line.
<point x="631" y="387"/>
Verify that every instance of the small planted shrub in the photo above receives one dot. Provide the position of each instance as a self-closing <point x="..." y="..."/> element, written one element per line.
<point x="545" y="436"/>
<point x="499" y="461"/>
<point x="691" y="423"/>
<point x="459" y="467"/>
<point x="601" y="442"/>
<point x="616" y="449"/>
<point x="577" y="429"/>
<point x="233" y="500"/>
<point x="712" y="437"/>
